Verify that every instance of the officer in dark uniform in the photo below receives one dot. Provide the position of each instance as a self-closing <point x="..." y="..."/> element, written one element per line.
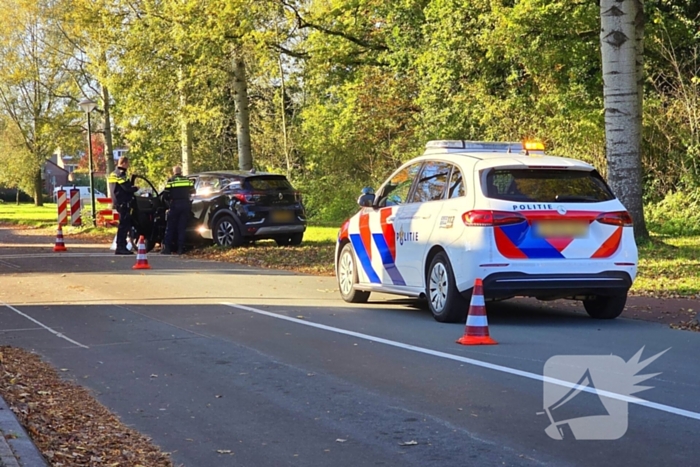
<point x="122" y="190"/>
<point x="178" y="190"/>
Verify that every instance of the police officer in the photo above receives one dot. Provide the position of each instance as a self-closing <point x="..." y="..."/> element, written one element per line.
<point x="122" y="190"/>
<point x="178" y="190"/>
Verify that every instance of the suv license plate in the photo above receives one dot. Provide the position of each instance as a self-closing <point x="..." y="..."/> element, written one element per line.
<point x="561" y="229"/>
<point x="282" y="216"/>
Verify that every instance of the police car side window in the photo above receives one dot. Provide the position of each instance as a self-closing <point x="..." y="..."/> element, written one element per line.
<point x="432" y="182"/>
<point x="456" y="189"/>
<point x="395" y="192"/>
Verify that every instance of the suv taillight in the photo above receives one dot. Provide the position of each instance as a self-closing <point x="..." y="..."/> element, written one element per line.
<point x="620" y="218"/>
<point x="484" y="218"/>
<point x="247" y="198"/>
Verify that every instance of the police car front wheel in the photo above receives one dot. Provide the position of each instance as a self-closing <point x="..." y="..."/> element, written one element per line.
<point x="347" y="277"/>
<point x="446" y="302"/>
<point x="605" y="307"/>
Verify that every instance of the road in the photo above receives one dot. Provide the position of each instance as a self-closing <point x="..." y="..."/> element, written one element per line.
<point x="274" y="367"/>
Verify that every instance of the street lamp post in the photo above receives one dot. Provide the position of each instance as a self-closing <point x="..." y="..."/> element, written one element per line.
<point x="88" y="106"/>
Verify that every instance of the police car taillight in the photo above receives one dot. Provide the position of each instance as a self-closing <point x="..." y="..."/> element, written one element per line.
<point x="486" y="218"/>
<point x="620" y="218"/>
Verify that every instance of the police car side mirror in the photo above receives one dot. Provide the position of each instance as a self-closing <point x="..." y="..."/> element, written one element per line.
<point x="366" y="200"/>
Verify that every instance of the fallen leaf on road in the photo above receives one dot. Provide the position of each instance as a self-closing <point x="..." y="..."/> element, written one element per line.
<point x="408" y="443"/>
<point x="340" y="440"/>
<point x="224" y="451"/>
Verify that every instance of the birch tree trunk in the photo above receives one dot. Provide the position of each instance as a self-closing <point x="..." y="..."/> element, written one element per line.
<point x="621" y="37"/>
<point x="240" y="98"/>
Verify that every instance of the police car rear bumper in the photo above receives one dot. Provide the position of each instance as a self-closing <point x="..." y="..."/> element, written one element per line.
<point x="511" y="284"/>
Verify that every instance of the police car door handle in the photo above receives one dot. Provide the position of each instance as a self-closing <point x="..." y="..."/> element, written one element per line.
<point x="390" y="220"/>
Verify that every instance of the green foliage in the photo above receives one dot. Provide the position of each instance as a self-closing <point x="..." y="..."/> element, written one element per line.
<point x="677" y="214"/>
<point x="343" y="91"/>
<point x="669" y="268"/>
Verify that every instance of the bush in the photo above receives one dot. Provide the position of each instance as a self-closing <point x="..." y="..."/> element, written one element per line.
<point x="330" y="201"/>
<point x="678" y="214"/>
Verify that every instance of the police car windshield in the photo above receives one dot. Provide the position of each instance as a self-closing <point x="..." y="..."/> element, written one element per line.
<point x="547" y="185"/>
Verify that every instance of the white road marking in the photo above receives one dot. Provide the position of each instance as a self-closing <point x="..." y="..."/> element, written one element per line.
<point x="52" y="331"/>
<point x="9" y="265"/>
<point x="471" y="361"/>
<point x="57" y="255"/>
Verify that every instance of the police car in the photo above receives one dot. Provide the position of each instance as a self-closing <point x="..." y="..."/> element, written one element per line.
<point x="526" y="223"/>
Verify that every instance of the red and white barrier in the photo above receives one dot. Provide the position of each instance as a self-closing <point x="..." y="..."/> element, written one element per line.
<point x="107" y="217"/>
<point x="62" y="207"/>
<point x="75" y="207"/>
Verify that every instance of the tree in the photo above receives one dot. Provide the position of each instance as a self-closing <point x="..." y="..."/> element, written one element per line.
<point x="620" y="41"/>
<point x="34" y="84"/>
<point x="98" y="160"/>
<point x="16" y="162"/>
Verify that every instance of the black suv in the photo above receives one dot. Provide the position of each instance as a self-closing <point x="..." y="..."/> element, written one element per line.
<point x="230" y="209"/>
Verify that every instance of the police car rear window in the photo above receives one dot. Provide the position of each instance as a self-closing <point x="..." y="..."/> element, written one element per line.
<point x="269" y="183"/>
<point x="547" y="185"/>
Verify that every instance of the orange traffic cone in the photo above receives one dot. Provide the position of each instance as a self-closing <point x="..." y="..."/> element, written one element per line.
<point x="59" y="246"/>
<point x="476" y="331"/>
<point x="141" y="260"/>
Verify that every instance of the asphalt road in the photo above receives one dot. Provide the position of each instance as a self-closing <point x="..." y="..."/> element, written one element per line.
<point x="275" y="368"/>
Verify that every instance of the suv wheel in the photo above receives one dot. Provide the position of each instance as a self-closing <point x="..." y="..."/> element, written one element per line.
<point x="347" y="277"/>
<point x="605" y="306"/>
<point x="293" y="240"/>
<point x="444" y="300"/>
<point x="226" y="232"/>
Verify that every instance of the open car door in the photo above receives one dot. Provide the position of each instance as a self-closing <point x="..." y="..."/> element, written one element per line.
<point x="148" y="212"/>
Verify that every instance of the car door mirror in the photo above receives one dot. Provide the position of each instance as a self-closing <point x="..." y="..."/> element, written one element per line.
<point x="366" y="199"/>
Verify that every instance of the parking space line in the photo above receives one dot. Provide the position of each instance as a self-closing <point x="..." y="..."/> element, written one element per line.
<point x="479" y="363"/>
<point x="52" y="331"/>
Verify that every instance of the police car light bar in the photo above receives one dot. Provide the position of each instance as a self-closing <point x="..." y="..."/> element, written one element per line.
<point x="445" y="143"/>
<point x="475" y="146"/>
<point x="525" y="147"/>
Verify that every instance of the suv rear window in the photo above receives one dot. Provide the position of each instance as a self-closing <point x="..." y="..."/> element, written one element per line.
<point x="547" y="185"/>
<point x="269" y="183"/>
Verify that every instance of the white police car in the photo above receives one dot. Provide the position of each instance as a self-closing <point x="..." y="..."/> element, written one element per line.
<point x="526" y="223"/>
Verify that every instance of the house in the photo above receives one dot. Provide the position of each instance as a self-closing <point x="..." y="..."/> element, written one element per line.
<point x="53" y="174"/>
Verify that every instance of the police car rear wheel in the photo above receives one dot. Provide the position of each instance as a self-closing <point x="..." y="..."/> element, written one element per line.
<point x="347" y="277"/>
<point x="605" y="307"/>
<point x="444" y="300"/>
<point x="226" y="232"/>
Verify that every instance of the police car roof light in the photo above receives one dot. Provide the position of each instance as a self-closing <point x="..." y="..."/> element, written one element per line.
<point x="475" y="146"/>
<point x="533" y="145"/>
<point x="445" y="143"/>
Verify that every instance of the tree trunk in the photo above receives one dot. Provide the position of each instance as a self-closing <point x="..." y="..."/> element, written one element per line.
<point x="185" y="128"/>
<point x="109" y="146"/>
<point x="283" y="95"/>
<point x="185" y="145"/>
<point x="17" y="197"/>
<point x="38" y="188"/>
<point x="622" y="101"/>
<point x="240" y="97"/>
